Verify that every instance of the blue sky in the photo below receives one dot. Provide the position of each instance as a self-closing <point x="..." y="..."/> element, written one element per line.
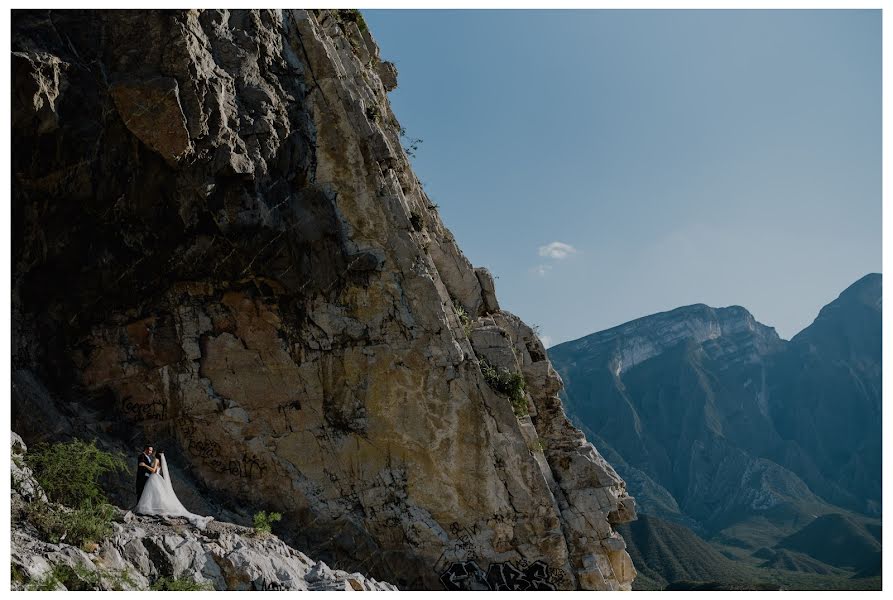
<point x="606" y="165"/>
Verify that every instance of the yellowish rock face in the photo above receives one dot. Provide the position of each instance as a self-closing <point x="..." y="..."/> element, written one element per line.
<point x="310" y="338"/>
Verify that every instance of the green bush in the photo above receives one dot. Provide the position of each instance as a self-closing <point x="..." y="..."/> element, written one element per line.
<point x="77" y="527"/>
<point x="353" y="14"/>
<point x="508" y="383"/>
<point x="69" y="472"/>
<point x="463" y="317"/>
<point x="263" y="522"/>
<point x="121" y="580"/>
<point x="17" y="575"/>
<point x="167" y="584"/>
<point x="77" y="578"/>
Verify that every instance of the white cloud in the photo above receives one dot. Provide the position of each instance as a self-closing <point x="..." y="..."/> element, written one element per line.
<point x="546" y="340"/>
<point x="557" y="250"/>
<point x="541" y="270"/>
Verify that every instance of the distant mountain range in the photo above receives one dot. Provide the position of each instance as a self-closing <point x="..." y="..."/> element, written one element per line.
<point x="749" y="441"/>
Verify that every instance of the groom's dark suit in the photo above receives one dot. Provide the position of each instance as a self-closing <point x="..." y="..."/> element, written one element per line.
<point x="142" y="474"/>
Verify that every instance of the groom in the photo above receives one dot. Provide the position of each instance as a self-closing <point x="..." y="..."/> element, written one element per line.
<point x="144" y="463"/>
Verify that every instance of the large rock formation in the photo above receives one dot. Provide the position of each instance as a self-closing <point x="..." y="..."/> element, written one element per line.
<point x="219" y="245"/>
<point x="718" y="423"/>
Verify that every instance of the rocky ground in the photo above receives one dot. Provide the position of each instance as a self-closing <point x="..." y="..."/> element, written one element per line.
<point x="144" y="550"/>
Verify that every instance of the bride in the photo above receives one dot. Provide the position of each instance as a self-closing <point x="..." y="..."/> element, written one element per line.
<point x="158" y="496"/>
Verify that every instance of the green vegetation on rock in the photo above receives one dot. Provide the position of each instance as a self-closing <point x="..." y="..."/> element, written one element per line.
<point x="168" y="584"/>
<point x="507" y="383"/>
<point x="463" y="317"/>
<point x="75" y="578"/>
<point x="78" y="527"/>
<point x="263" y="522"/>
<point x="355" y="16"/>
<point x="70" y="472"/>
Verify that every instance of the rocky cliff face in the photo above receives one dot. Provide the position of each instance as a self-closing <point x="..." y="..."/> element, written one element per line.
<point x="220" y="246"/>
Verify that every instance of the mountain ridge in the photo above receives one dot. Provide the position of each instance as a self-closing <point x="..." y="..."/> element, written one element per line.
<point x="640" y="339"/>
<point x="731" y="431"/>
<point x="867" y="284"/>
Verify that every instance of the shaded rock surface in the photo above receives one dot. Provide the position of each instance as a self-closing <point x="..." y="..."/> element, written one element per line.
<point x="220" y="246"/>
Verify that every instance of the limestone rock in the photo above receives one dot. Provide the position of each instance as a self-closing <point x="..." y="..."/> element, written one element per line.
<point x="278" y="305"/>
<point x="41" y="80"/>
<point x="151" y="110"/>
<point x="23" y="482"/>
<point x="488" y="289"/>
<point x="387" y="71"/>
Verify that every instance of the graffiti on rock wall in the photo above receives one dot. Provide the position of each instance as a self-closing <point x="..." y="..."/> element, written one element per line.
<point x="461" y="566"/>
<point x="464" y="576"/>
<point x="155" y="410"/>
<point x="249" y="466"/>
<point x="504" y="576"/>
<point x="464" y="543"/>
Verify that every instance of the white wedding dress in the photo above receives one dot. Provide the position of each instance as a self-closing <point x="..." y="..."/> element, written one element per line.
<point x="158" y="498"/>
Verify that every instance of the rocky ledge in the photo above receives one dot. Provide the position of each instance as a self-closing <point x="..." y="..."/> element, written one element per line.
<point x="144" y="550"/>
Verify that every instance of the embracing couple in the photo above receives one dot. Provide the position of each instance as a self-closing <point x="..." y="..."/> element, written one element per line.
<point x="154" y="492"/>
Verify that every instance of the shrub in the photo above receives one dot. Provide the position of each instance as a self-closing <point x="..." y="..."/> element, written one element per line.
<point x="77" y="527"/>
<point x="463" y="317"/>
<point x="17" y="575"/>
<point x="69" y="472"/>
<point x="508" y="383"/>
<point x="538" y="445"/>
<point x="75" y="578"/>
<point x="354" y="15"/>
<point x="167" y="584"/>
<point x="263" y="522"/>
<point x="121" y="580"/>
